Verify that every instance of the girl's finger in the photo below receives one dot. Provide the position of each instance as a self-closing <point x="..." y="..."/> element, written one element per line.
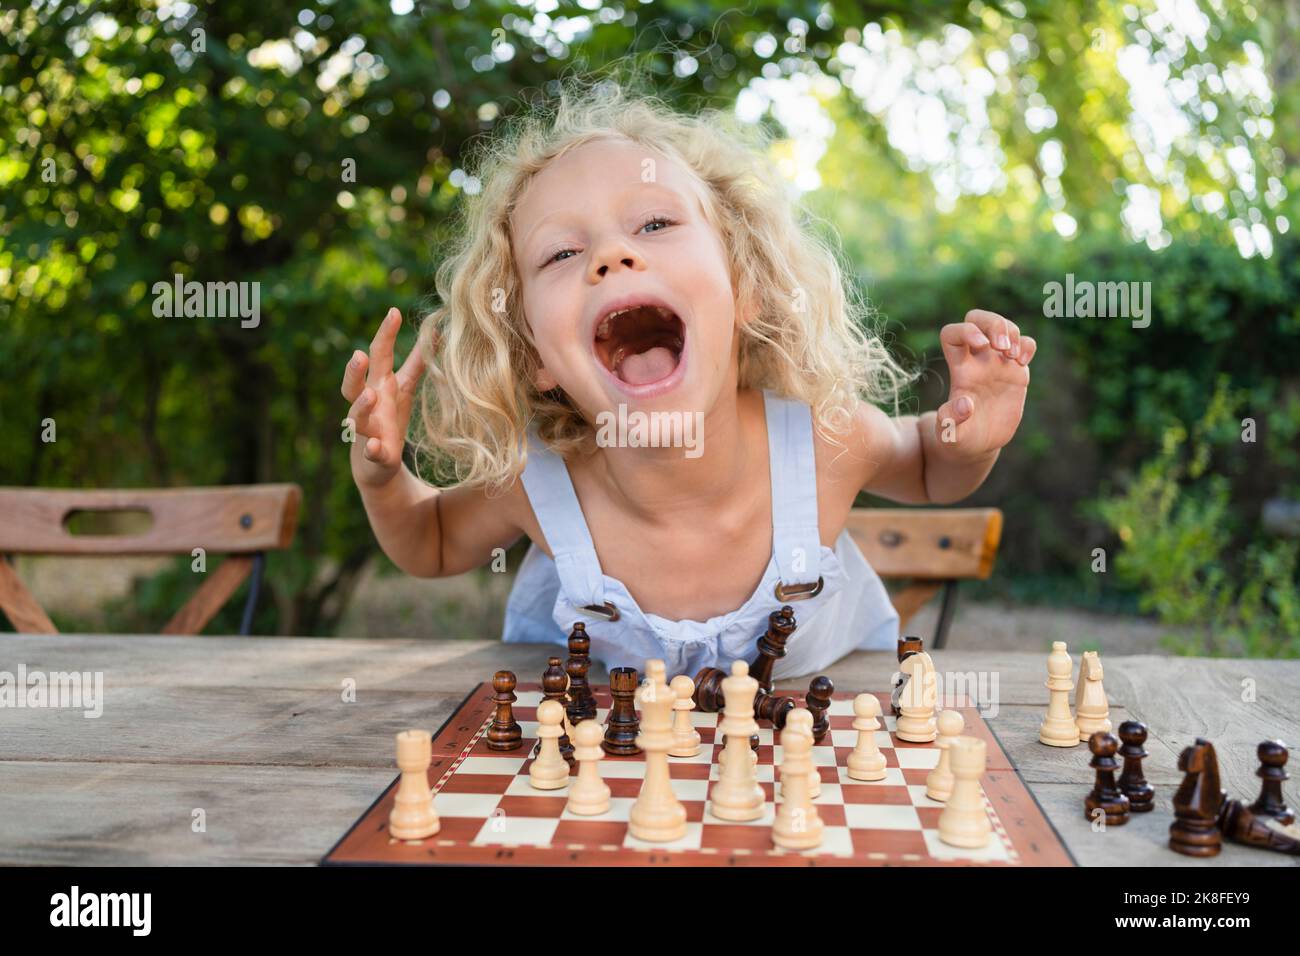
<point x="1028" y="346"/>
<point x="381" y="348"/>
<point x="354" y="375"/>
<point x="374" y="451"/>
<point x="957" y="337"/>
<point x="994" y="327"/>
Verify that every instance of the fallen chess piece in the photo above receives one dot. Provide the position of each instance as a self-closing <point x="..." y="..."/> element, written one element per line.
<point x="1241" y="824"/>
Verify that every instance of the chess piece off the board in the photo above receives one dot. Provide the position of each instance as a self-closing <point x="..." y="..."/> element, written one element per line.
<point x="866" y="762"/>
<point x="657" y="815"/>
<point x="797" y="825"/>
<point x="589" y="795"/>
<point x="964" y="821"/>
<point x="1197" y="803"/>
<point x="1141" y="795"/>
<point x="1272" y="771"/>
<point x="1105" y="795"/>
<point x="736" y="795"/>
<point x="938" y="783"/>
<point x="549" y="771"/>
<point x="1091" y="710"/>
<point x="1058" y="728"/>
<point x="413" y="816"/>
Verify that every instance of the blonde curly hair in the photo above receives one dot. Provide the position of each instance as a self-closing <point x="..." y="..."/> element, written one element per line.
<point x="808" y="339"/>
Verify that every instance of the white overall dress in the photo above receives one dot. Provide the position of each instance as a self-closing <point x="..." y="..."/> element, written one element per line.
<point x="851" y="611"/>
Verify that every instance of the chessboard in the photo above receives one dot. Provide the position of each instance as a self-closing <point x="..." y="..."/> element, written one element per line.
<point x="491" y="814"/>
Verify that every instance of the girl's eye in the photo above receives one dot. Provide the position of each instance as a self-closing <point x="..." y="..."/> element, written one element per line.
<point x="661" y="220"/>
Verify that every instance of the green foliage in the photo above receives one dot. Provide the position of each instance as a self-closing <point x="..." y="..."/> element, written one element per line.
<point x="1175" y="522"/>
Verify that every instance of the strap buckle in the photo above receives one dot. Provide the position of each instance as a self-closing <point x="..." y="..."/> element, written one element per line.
<point x="798" y="592"/>
<point x="606" y="610"/>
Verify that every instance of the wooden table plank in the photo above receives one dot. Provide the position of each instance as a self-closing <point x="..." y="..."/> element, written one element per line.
<point x="249" y="725"/>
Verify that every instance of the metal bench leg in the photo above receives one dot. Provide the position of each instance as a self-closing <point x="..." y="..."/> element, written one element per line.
<point x="946" y="610"/>
<point x="254" y="587"/>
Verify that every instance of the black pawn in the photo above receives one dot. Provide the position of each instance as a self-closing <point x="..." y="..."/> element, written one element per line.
<point x="623" y="726"/>
<point x="818" y="701"/>
<point x="505" y="733"/>
<point x="1105" y="794"/>
<point x="1141" y="795"/>
<point x="1272" y="770"/>
<point x="582" y="702"/>
<point x="555" y="684"/>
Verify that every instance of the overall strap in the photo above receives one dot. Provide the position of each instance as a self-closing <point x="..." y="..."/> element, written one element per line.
<point x="796" y="539"/>
<point x="550" y="491"/>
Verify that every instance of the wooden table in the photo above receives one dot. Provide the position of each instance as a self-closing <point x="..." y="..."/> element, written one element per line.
<point x="257" y="734"/>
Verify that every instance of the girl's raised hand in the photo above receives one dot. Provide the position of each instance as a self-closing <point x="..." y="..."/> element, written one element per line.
<point x="381" y="403"/>
<point x="988" y="364"/>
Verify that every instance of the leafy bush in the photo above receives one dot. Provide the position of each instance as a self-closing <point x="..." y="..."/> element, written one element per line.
<point x="1175" y="520"/>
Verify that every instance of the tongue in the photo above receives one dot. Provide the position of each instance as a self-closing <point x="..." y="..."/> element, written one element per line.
<point x="648" y="366"/>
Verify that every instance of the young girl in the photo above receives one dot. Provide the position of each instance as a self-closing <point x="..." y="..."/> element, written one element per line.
<point x="622" y="259"/>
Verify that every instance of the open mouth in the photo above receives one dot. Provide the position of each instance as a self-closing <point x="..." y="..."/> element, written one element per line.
<point x="640" y="345"/>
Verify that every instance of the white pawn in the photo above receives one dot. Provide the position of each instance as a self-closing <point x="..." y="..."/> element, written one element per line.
<point x="737" y="795"/>
<point x="964" y="821"/>
<point x="938" y="785"/>
<point x="549" y="771"/>
<point x="798" y="825"/>
<point x="916" y="704"/>
<point x="1091" y="709"/>
<point x="803" y="724"/>
<point x="686" y="739"/>
<point x="413" y="816"/>
<point x="1058" y="728"/>
<point x="590" y="795"/>
<point x="866" y="762"/>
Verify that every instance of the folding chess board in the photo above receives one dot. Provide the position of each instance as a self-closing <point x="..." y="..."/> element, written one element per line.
<point x="491" y="814"/>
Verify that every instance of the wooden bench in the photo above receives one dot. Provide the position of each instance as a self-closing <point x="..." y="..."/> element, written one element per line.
<point x="932" y="549"/>
<point x="241" y="521"/>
